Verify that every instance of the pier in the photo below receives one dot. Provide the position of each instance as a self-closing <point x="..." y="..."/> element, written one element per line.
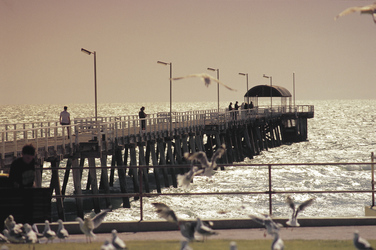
<point x="164" y="141"/>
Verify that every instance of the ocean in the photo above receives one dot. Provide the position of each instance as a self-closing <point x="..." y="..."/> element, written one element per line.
<point x="341" y="131"/>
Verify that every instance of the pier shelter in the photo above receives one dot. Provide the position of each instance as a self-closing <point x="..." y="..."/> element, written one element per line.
<point x="143" y="159"/>
<point x="266" y="91"/>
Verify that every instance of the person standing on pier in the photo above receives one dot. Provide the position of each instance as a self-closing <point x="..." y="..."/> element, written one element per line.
<point x="142" y="116"/>
<point x="236" y="109"/>
<point x="22" y="170"/>
<point x="65" y="118"/>
<point x="230" y="109"/>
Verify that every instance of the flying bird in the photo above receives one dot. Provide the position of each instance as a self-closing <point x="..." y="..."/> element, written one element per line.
<point x="187" y="228"/>
<point x="185" y="179"/>
<point x="61" y="232"/>
<point x="369" y="9"/>
<point x="206" y="78"/>
<point x="277" y="243"/>
<point x="293" y="222"/>
<point x="48" y="233"/>
<point x="361" y="243"/>
<point x="89" y="224"/>
<point x="116" y="241"/>
<point x="201" y="157"/>
<point x="204" y="229"/>
<point x="271" y="226"/>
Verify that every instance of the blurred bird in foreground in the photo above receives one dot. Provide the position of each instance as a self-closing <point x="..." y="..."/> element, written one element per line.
<point x="116" y="241"/>
<point x="48" y="233"/>
<point x="107" y="245"/>
<point x="61" y="232"/>
<point x="187" y="228"/>
<point x="206" y="78"/>
<point x="89" y="224"/>
<point x="271" y="226"/>
<point x="200" y="156"/>
<point x="361" y="243"/>
<point x="184" y="180"/>
<point x="30" y="235"/>
<point x="277" y="243"/>
<point x="293" y="222"/>
<point x="369" y="9"/>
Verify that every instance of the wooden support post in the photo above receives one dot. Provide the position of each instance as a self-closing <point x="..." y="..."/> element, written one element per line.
<point x="219" y="143"/>
<point x="66" y="175"/>
<point x="248" y="143"/>
<point x="223" y="140"/>
<point x="162" y="161"/>
<point x="236" y="146"/>
<point x="77" y="187"/>
<point x="55" y="185"/>
<point x="179" y="155"/>
<point x="122" y="177"/>
<point x="94" y="183"/>
<point x="147" y="154"/>
<point x="198" y="140"/>
<point x="104" y="178"/>
<point x="151" y="146"/>
<point x="136" y="185"/>
<point x="142" y="162"/>
<point x="192" y="143"/>
<point x="229" y="147"/>
<point x="112" y="173"/>
<point x="172" y="162"/>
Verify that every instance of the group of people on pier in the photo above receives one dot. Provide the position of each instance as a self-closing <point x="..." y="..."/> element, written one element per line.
<point x="235" y="109"/>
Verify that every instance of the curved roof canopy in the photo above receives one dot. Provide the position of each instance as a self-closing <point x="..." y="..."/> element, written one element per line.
<point x="264" y="91"/>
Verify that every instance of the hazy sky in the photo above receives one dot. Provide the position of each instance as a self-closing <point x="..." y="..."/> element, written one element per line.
<point x="41" y="61"/>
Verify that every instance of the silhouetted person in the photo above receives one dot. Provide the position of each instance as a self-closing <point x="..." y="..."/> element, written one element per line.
<point x="142" y="116"/>
<point x="22" y="170"/>
<point x="250" y="105"/>
<point x="65" y="118"/>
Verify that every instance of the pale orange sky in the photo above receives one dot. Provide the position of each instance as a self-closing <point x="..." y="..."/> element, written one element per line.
<point x="41" y="61"/>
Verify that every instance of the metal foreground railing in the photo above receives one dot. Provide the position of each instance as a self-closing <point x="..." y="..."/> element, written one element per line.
<point x="273" y="187"/>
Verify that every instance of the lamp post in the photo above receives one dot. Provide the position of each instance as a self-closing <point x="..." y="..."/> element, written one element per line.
<point x="293" y="85"/>
<point x="211" y="69"/>
<point x="95" y="78"/>
<point x="164" y="63"/>
<point x="271" y="91"/>
<point x="246" y="75"/>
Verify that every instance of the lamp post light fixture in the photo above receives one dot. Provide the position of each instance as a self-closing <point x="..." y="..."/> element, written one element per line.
<point x="95" y="78"/>
<point x="271" y="91"/>
<point x="246" y="75"/>
<point x="170" y="63"/>
<point x="211" y="69"/>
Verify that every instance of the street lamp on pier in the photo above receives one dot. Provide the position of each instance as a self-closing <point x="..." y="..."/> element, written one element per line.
<point x="211" y="69"/>
<point x="95" y="78"/>
<point x="170" y="63"/>
<point x="271" y="90"/>
<point x="246" y="75"/>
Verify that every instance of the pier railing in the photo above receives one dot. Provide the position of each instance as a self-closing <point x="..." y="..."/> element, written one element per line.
<point x="13" y="136"/>
<point x="269" y="188"/>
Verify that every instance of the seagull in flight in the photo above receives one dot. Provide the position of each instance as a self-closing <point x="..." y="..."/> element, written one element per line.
<point x="361" y="243"/>
<point x="271" y="226"/>
<point x="369" y="9"/>
<point x="206" y="78"/>
<point x="293" y="222"/>
<point x="89" y="224"/>
<point x="185" y="179"/>
<point x="200" y="156"/>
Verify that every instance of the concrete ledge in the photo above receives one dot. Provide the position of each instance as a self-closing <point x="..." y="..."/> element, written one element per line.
<point x="146" y="226"/>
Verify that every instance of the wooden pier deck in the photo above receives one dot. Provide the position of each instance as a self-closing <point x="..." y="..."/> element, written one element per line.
<point x="245" y="133"/>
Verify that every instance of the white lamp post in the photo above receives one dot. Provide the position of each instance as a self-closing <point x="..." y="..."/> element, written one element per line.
<point x="95" y="78"/>
<point x="211" y="69"/>
<point x="246" y="75"/>
<point x="164" y="63"/>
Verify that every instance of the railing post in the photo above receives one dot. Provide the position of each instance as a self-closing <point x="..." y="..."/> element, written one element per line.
<point x="140" y="172"/>
<point x="270" y="189"/>
<point x="373" y="180"/>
